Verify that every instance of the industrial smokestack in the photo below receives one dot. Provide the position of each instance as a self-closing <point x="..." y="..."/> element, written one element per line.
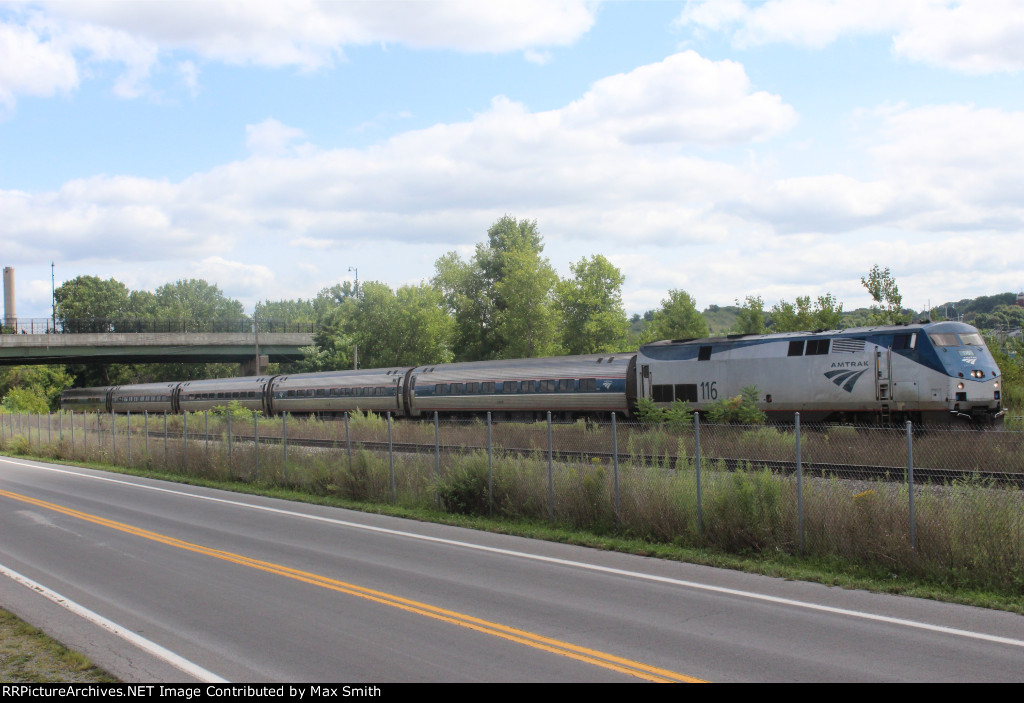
<point x="10" y="316"/>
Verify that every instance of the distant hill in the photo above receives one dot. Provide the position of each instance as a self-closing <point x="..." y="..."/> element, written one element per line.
<point x="721" y="320"/>
<point x="987" y="312"/>
<point x="968" y="308"/>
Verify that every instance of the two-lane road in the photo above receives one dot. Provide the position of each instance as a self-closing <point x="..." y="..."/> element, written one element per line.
<point x="247" y="588"/>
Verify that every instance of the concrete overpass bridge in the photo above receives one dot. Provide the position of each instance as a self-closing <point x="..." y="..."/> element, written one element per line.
<point x="39" y="343"/>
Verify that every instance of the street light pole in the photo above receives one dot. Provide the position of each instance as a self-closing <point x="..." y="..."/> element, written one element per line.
<point x="355" y="347"/>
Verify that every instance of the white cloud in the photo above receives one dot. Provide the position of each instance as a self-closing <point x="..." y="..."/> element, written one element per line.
<point x="31" y="64"/>
<point x="685" y="98"/>
<point x="271" y="137"/>
<point x="972" y="36"/>
<point x="42" y="46"/>
<point x="245" y="278"/>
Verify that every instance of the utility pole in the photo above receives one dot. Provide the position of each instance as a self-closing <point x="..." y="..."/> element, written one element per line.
<point x="53" y="293"/>
<point x="355" y="347"/>
<point x="256" y="339"/>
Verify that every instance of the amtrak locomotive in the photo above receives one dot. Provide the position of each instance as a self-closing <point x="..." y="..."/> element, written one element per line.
<point x="930" y="372"/>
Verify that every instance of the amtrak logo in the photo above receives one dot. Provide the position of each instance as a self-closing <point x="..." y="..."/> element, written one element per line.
<point x="606" y="384"/>
<point x="845" y="378"/>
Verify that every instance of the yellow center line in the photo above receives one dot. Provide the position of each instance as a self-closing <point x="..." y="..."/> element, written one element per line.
<point x="547" y="644"/>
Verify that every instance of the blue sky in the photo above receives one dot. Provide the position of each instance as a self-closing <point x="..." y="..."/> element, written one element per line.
<point x="776" y="148"/>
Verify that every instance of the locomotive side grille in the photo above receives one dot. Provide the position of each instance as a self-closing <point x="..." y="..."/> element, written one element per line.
<point x="847" y="346"/>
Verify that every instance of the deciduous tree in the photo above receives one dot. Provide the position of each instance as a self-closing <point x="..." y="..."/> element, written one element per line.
<point x="678" y="318"/>
<point x="888" y="306"/>
<point x="590" y="306"/>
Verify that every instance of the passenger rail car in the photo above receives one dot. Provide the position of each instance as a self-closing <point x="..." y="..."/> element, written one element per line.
<point x="925" y="372"/>
<point x="569" y="386"/>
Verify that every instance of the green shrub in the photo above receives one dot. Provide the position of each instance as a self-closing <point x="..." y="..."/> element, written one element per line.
<point x="464" y="489"/>
<point x="236" y="411"/>
<point x="741" y="409"/>
<point x="18" y="446"/>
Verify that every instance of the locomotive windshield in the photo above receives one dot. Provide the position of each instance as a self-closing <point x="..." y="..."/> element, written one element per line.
<point x="948" y="339"/>
<point x="944" y="339"/>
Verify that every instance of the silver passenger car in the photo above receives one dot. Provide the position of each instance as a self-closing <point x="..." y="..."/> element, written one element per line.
<point x="144" y="397"/>
<point x="376" y="390"/>
<point x="248" y="391"/>
<point x="523" y="388"/>
<point x="85" y="399"/>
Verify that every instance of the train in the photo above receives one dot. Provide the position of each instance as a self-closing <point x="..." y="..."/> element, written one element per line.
<point x="925" y="372"/>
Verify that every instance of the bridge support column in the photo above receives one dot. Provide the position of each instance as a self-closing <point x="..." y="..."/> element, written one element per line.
<point x="249" y="368"/>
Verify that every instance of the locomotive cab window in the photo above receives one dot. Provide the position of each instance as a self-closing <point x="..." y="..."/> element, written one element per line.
<point x="904" y="341"/>
<point x="817" y="346"/>
<point x="944" y="340"/>
<point x="704" y="354"/>
<point x="796" y="348"/>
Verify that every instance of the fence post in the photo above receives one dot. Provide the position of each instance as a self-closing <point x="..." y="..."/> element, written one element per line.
<point x="230" y="456"/>
<point x="284" y="441"/>
<point x="85" y="435"/>
<point x="166" y="465"/>
<point x="615" y="473"/>
<point x="206" y="433"/>
<point x="71" y="419"/>
<point x="49" y="427"/>
<point x="799" y="486"/>
<point x="184" y="438"/>
<point x="113" y="436"/>
<point x="348" y="442"/>
<point x="391" y="459"/>
<point x="129" y="416"/>
<point x="60" y="426"/>
<point x="39" y="429"/>
<point x="437" y="461"/>
<point x="256" y="445"/>
<point x="145" y="428"/>
<point x="551" y="475"/>
<point x="910" y="485"/>
<point x="696" y="458"/>
<point x="490" y="470"/>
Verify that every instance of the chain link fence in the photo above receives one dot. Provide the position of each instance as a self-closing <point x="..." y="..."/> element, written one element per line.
<point x="941" y="503"/>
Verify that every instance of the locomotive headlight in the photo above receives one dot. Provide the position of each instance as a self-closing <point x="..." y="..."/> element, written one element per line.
<point x="960" y="386"/>
<point x="997" y="384"/>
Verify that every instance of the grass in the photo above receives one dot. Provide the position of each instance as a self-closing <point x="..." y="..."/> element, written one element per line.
<point x="29" y="656"/>
<point x="969" y="534"/>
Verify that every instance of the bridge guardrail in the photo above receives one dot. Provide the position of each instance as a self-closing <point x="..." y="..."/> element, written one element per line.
<point x="46" y="325"/>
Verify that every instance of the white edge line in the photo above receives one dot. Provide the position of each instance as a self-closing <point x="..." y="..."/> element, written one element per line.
<point x="142" y="643"/>
<point x="562" y="562"/>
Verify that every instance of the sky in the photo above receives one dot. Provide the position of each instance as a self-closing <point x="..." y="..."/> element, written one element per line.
<point x="729" y="149"/>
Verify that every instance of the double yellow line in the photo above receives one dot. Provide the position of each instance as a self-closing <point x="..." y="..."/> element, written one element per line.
<point x="547" y="644"/>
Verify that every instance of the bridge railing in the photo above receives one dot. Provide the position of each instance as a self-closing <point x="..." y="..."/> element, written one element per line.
<point x="46" y="325"/>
